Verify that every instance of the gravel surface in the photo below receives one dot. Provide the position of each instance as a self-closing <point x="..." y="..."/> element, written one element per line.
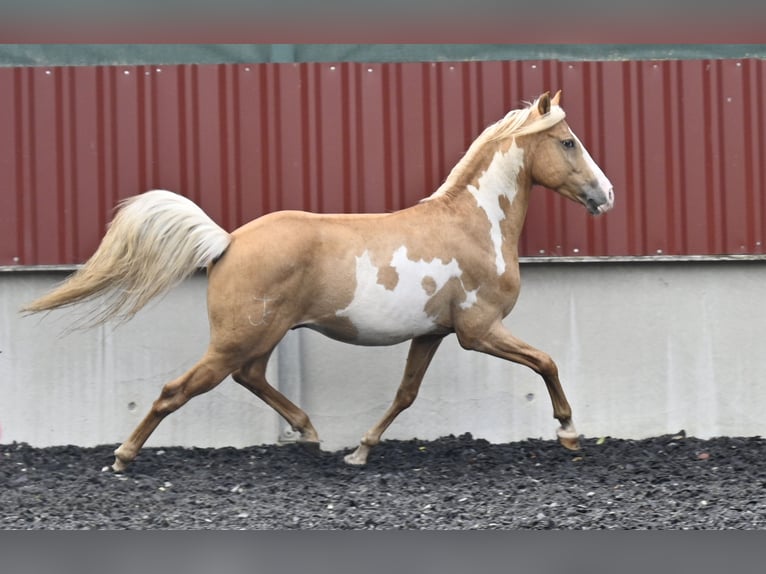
<point x="667" y="482"/>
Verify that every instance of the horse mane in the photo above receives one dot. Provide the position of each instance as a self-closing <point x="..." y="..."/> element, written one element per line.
<point x="514" y="123"/>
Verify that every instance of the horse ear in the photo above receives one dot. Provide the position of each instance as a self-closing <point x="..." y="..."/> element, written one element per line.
<point x="555" y="99"/>
<point x="544" y="103"/>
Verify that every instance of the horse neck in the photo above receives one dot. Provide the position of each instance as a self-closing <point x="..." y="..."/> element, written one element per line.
<point x="493" y="184"/>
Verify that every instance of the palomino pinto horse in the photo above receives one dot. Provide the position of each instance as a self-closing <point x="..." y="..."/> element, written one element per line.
<point x="446" y="265"/>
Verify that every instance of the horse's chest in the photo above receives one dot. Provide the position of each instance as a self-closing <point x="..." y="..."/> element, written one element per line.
<point x="404" y="299"/>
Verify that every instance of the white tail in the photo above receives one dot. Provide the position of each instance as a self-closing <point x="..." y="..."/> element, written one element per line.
<point x="154" y="242"/>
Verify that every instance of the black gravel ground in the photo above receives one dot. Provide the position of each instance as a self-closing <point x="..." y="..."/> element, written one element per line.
<point x="667" y="482"/>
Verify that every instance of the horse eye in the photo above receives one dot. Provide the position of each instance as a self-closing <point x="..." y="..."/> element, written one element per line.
<point x="569" y="144"/>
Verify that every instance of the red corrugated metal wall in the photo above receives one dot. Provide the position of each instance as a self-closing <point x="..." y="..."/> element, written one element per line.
<point x="682" y="141"/>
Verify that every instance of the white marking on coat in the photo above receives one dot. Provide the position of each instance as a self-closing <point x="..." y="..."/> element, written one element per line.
<point x="499" y="180"/>
<point x="386" y="316"/>
<point x="470" y="299"/>
<point x="603" y="181"/>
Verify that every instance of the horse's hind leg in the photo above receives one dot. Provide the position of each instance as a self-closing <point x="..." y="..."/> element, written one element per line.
<point x="252" y="376"/>
<point x="500" y="343"/>
<point x="202" y="377"/>
<point x="422" y="350"/>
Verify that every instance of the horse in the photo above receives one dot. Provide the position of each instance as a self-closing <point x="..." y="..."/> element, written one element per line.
<point x="447" y="264"/>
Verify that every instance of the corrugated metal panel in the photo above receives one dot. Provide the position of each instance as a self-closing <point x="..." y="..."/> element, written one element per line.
<point x="683" y="142"/>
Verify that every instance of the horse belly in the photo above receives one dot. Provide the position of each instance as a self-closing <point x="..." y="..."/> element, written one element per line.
<point x="386" y="323"/>
<point x="386" y="315"/>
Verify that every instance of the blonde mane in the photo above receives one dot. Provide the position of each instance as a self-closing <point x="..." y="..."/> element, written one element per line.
<point x="514" y="123"/>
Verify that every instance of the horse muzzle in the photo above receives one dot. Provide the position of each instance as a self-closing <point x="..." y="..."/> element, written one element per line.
<point x="598" y="199"/>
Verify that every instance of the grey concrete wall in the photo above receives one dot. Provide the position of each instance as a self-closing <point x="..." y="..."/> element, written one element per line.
<point x="642" y="348"/>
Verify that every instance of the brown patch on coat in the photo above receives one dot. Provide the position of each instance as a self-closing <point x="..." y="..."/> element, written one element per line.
<point x="441" y="305"/>
<point x="429" y="285"/>
<point x="388" y="277"/>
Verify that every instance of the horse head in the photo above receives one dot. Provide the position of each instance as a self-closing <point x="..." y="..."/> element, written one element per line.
<point x="558" y="160"/>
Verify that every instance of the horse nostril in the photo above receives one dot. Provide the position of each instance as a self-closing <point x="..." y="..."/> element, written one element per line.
<point x="610" y="195"/>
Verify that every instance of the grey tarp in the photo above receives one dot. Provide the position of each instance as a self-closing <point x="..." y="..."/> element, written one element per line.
<point x="136" y="54"/>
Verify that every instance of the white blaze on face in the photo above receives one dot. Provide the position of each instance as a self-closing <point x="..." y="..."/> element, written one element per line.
<point x="603" y="181"/>
<point x="386" y="316"/>
<point x="499" y="180"/>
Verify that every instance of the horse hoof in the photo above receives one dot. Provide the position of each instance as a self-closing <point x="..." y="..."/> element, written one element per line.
<point x="354" y="460"/>
<point x="359" y="456"/>
<point x="570" y="443"/>
<point x="310" y="446"/>
<point x="568" y="437"/>
<point x="118" y="466"/>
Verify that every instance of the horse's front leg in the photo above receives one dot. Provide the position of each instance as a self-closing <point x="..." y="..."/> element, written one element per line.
<point x="499" y="342"/>
<point x="422" y="350"/>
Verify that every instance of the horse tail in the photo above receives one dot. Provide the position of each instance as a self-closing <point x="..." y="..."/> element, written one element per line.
<point x="154" y="242"/>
